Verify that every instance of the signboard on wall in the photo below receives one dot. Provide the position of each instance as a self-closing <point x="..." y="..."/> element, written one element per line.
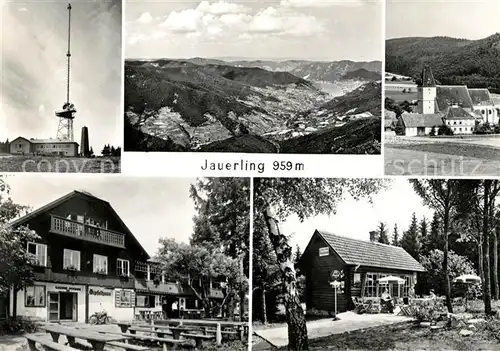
<point x="324" y="251"/>
<point x="100" y="292"/>
<point x="67" y="288"/>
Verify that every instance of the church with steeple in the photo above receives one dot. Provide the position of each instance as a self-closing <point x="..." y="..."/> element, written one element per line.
<point x="456" y="106"/>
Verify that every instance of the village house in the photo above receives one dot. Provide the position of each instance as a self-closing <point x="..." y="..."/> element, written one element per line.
<point x="483" y="104"/>
<point x="456" y="106"/>
<point x="88" y="261"/>
<point x="53" y="147"/>
<point x="360" y="264"/>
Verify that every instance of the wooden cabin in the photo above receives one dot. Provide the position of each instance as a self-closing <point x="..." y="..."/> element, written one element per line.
<point x="360" y="264"/>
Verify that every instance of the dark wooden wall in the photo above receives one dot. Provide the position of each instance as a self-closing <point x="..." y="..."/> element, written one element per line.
<point x="56" y="244"/>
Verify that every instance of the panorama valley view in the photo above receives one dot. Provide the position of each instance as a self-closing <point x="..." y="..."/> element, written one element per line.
<point x="235" y="105"/>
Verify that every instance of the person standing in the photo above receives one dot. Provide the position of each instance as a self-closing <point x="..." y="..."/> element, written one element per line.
<point x="175" y="309"/>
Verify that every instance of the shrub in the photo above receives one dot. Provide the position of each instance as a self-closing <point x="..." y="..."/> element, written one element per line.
<point x="445" y="130"/>
<point x="483" y="128"/>
<point x="433" y="263"/>
<point x="433" y="131"/>
<point x="20" y="325"/>
<point x="496" y="129"/>
<point x="429" y="311"/>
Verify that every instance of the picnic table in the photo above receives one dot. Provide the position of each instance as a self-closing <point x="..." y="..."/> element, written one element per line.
<point x="177" y="332"/>
<point x="240" y="326"/>
<point x="97" y="340"/>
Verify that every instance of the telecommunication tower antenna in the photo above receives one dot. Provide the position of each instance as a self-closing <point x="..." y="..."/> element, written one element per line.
<point x="67" y="114"/>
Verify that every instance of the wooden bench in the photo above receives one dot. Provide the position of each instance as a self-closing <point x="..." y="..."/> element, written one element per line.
<point x="198" y="338"/>
<point x="95" y="338"/>
<point x="129" y="347"/>
<point x="33" y="339"/>
<point x="163" y="341"/>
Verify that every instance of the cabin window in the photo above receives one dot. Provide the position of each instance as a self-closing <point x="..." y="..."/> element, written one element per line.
<point x="191" y="304"/>
<point x="100" y="264"/>
<point x="71" y="260"/>
<point x="40" y="252"/>
<point x="324" y="251"/>
<point x="356" y="283"/>
<point x="122" y="267"/>
<point x="34" y="296"/>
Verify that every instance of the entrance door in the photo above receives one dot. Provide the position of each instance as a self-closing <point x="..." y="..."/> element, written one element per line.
<point x="67" y="309"/>
<point x="420" y="130"/>
<point x="53" y="306"/>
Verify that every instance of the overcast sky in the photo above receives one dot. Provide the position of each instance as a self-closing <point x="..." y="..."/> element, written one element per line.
<point x="34" y="45"/>
<point x="355" y="219"/>
<point x="471" y="19"/>
<point x="270" y="29"/>
<point x="150" y="207"/>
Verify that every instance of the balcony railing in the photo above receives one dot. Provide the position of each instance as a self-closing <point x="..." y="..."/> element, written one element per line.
<point x="86" y="232"/>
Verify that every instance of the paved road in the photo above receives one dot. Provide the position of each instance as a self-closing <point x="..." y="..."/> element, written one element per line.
<point x="349" y="321"/>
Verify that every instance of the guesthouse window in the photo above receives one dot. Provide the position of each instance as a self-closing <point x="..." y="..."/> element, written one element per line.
<point x="71" y="260"/>
<point x="34" y="296"/>
<point x="40" y="252"/>
<point x="142" y="301"/>
<point x="122" y="267"/>
<point x="124" y="298"/>
<point x="100" y="264"/>
<point x="324" y="251"/>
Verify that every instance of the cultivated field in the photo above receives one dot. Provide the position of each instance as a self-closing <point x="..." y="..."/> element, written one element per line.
<point x="397" y="94"/>
<point x="14" y="163"/>
<point x="453" y="156"/>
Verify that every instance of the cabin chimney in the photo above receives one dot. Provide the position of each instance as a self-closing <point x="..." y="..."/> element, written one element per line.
<point x="374" y="236"/>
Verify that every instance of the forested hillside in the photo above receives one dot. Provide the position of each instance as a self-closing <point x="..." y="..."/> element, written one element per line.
<point x="475" y="63"/>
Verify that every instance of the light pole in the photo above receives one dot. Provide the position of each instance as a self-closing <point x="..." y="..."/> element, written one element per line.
<point x="334" y="276"/>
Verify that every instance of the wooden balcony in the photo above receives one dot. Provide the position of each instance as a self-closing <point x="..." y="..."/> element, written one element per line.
<point x="167" y="288"/>
<point x="67" y="227"/>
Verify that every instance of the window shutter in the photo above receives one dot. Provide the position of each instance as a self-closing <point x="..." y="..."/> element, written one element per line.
<point x="118" y="298"/>
<point x="132" y="300"/>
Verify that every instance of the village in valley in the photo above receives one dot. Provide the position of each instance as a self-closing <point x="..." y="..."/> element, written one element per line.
<point x="73" y="268"/>
<point x="442" y="95"/>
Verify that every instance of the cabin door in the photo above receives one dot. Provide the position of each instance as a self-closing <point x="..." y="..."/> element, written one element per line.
<point x="68" y="304"/>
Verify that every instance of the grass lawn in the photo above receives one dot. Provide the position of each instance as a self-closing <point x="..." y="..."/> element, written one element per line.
<point x="59" y="164"/>
<point x="407" y="336"/>
<point x="398" y="95"/>
<point x="403" y="336"/>
<point x="442" y="159"/>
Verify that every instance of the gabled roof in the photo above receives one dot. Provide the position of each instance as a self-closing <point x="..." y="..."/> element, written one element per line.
<point x="19" y="137"/>
<point x="448" y="95"/>
<point x="427" y="77"/>
<point x="57" y="202"/>
<point x="366" y="253"/>
<point x="480" y="96"/>
<point x="456" y="112"/>
<point x="413" y="120"/>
